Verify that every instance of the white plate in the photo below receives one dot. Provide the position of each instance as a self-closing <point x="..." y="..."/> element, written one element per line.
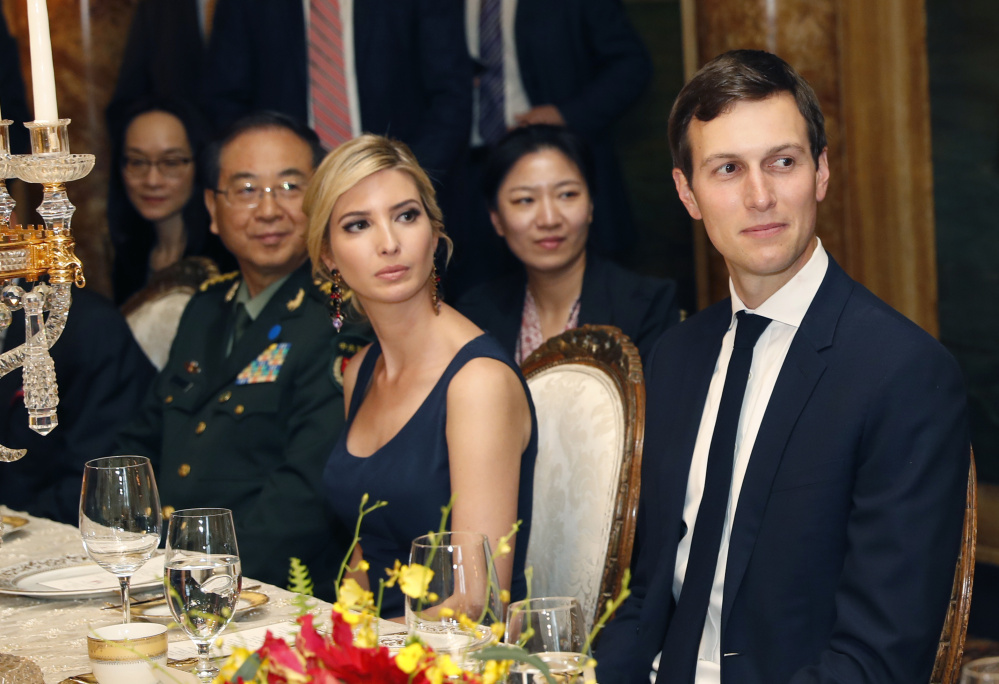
<point x="35" y="578"/>
<point x="13" y="523"/>
<point x="159" y="611"/>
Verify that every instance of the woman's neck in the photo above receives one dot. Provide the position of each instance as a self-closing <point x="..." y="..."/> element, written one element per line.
<point x="171" y="240"/>
<point x="408" y="332"/>
<point x="555" y="293"/>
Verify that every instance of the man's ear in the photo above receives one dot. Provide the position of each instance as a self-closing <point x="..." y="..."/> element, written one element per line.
<point x="822" y="176"/>
<point x="686" y="194"/>
<point x="210" y="204"/>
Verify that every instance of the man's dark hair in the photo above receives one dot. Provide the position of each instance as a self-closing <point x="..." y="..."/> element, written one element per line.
<point x="254" y="122"/>
<point x="733" y="77"/>
<point x="526" y="140"/>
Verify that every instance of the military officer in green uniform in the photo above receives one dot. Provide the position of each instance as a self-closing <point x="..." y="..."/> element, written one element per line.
<point x="250" y="403"/>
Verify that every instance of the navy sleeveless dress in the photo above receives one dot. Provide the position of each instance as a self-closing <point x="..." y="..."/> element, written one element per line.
<point x="411" y="473"/>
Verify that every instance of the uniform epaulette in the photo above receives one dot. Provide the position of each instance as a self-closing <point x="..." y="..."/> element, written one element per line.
<point x="326" y="287"/>
<point x="215" y="280"/>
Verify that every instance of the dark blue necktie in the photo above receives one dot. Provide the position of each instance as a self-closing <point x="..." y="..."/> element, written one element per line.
<point x="683" y="637"/>
<point x="492" y="111"/>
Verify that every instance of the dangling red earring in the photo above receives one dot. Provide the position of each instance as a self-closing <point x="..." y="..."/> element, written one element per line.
<point x="333" y="305"/>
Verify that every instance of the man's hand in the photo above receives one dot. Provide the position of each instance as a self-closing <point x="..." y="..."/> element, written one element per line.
<point x="543" y="114"/>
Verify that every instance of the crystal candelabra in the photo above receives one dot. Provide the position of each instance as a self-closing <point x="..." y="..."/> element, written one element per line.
<point x="36" y="255"/>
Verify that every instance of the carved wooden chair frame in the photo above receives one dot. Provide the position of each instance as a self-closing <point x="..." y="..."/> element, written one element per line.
<point x="608" y="349"/>
<point x="950" y="651"/>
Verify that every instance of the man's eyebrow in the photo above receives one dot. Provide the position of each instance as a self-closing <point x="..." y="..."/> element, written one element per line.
<point x="246" y="175"/>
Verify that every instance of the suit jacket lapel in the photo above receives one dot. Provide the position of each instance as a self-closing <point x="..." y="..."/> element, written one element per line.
<point x="799" y="374"/>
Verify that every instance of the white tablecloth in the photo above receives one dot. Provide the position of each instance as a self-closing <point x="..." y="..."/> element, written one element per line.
<point x="53" y="633"/>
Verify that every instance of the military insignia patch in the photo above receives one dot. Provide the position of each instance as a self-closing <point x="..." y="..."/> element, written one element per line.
<point x="296" y="302"/>
<point x="266" y="367"/>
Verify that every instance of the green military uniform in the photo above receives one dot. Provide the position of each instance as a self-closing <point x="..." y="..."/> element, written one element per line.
<point x="251" y="430"/>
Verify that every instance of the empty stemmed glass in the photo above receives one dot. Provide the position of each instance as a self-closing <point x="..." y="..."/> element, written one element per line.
<point x="120" y="517"/>
<point x="981" y="671"/>
<point x="463" y="584"/>
<point x="203" y="577"/>
<point x="551" y="628"/>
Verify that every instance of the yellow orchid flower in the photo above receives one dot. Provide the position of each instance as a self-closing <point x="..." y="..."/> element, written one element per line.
<point x="410" y="657"/>
<point x="354" y="595"/>
<point x="504" y="596"/>
<point x="414" y="580"/>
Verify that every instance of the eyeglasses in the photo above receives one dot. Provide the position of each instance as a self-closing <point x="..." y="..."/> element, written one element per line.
<point x="169" y="167"/>
<point x="249" y="195"/>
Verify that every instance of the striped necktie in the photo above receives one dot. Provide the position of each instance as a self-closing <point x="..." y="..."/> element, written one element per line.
<point x="330" y="109"/>
<point x="492" y="111"/>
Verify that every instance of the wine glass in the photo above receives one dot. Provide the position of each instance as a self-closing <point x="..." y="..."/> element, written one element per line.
<point x="981" y="671"/>
<point x="463" y="584"/>
<point x="551" y="628"/>
<point x="202" y="577"/>
<point x="120" y="517"/>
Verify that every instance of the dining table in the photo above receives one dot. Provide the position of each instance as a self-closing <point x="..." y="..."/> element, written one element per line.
<point x="52" y="631"/>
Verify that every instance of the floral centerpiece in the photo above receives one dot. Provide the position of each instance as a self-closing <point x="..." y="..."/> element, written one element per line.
<point x="351" y="654"/>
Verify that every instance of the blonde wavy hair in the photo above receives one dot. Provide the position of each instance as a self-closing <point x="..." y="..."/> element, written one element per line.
<point x="345" y="167"/>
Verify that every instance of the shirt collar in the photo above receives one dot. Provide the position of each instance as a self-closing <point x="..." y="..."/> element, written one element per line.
<point x="255" y="305"/>
<point x="789" y="304"/>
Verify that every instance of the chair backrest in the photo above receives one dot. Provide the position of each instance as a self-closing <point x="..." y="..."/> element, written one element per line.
<point x="153" y="313"/>
<point x="947" y="668"/>
<point x="589" y="394"/>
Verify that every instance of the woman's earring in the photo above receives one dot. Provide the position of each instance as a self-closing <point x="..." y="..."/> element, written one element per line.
<point x="336" y="297"/>
<point x="435" y="290"/>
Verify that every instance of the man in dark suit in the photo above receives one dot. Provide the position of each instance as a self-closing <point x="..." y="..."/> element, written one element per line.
<point x="574" y="64"/>
<point x="102" y="376"/>
<point x="413" y="75"/>
<point x="822" y="547"/>
<point x="163" y="58"/>
<point x="248" y="407"/>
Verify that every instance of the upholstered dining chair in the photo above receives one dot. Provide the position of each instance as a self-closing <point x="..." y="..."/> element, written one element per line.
<point x="153" y="313"/>
<point x="589" y="394"/>
<point x="950" y="651"/>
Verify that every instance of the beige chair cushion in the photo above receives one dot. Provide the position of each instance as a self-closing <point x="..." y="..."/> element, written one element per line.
<point x="581" y="425"/>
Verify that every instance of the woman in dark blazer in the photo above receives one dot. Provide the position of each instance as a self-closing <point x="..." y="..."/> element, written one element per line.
<point x="537" y="183"/>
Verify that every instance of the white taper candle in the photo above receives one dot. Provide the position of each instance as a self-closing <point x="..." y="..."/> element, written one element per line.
<point x="42" y="73"/>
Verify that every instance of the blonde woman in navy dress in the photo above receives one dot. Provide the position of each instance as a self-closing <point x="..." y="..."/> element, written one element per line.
<point x="434" y="406"/>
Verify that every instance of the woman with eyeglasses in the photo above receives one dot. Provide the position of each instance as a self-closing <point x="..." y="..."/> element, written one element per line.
<point x="156" y="214"/>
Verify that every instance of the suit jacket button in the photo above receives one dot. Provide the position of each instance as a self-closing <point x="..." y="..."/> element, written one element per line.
<point x="192" y="367"/>
<point x="225" y="396"/>
<point x="167" y="512"/>
<point x="201" y="428"/>
<point x="169" y="399"/>
<point x="184" y="470"/>
<point x="239" y="410"/>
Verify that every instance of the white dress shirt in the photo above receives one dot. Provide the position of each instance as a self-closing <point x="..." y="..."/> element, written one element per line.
<point x="786" y="308"/>
<point x="515" y="100"/>
<point x="349" y="70"/>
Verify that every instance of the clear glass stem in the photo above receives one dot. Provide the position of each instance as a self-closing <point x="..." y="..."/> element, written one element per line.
<point x="126" y="614"/>
<point x="205" y="671"/>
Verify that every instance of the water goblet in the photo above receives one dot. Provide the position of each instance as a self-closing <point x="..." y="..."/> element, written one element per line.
<point x="120" y="517"/>
<point x="202" y="577"/>
<point x="981" y="671"/>
<point x="551" y="628"/>
<point x="463" y="585"/>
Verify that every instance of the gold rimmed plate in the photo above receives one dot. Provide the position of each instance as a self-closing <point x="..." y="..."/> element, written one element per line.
<point x="159" y="611"/>
<point x="13" y="523"/>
